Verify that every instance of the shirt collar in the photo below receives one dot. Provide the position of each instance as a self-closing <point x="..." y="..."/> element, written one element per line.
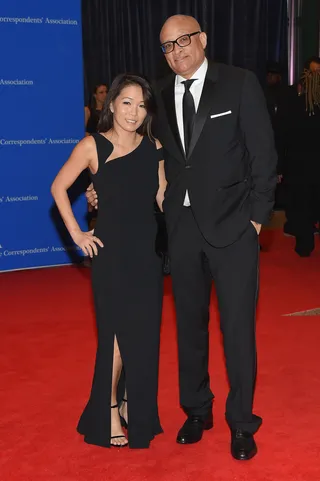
<point x="199" y="75"/>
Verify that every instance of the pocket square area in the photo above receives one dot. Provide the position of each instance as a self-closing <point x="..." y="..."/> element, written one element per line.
<point x="228" y="112"/>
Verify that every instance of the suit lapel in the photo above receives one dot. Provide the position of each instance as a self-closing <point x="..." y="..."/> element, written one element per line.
<point x="207" y="98"/>
<point x="206" y="102"/>
<point x="170" y="107"/>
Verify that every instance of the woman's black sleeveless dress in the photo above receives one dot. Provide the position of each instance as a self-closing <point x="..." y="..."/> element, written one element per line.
<point x="127" y="287"/>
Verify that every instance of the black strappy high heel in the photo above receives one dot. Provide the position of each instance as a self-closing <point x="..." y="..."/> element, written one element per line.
<point x="120" y="436"/>
<point x="124" y="423"/>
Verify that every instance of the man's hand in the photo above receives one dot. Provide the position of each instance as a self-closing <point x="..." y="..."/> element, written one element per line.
<point x="92" y="197"/>
<point x="256" y="226"/>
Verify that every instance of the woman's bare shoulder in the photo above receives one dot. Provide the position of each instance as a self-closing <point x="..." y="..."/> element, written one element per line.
<point x="87" y="144"/>
<point x="158" y="144"/>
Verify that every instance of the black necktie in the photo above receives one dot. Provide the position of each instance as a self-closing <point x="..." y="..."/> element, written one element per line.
<point x="189" y="113"/>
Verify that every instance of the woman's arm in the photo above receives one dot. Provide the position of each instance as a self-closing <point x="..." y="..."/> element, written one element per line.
<point x="86" y="116"/>
<point x="83" y="156"/>
<point x="162" y="180"/>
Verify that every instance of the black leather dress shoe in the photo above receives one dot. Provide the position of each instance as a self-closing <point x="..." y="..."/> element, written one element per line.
<point x="243" y="446"/>
<point x="192" y="430"/>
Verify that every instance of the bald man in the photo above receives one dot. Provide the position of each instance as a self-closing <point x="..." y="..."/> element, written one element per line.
<point x="220" y="165"/>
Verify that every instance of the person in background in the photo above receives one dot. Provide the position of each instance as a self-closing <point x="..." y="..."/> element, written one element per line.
<point x="274" y="88"/>
<point x="92" y="112"/>
<point x="300" y="118"/>
<point x="275" y="93"/>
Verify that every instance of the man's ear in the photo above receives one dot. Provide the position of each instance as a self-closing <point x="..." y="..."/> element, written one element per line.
<point x="203" y="39"/>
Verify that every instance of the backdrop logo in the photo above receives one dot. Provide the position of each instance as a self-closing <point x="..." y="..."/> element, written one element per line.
<point x="50" y="141"/>
<point x="16" y="82"/>
<point x="37" y="250"/>
<point x="25" y="252"/>
<point x="63" y="141"/>
<point x="21" y="142"/>
<point x="39" y="20"/>
<point x="17" y="20"/>
<point x="65" y="248"/>
<point x="61" y="21"/>
<point x="21" y="198"/>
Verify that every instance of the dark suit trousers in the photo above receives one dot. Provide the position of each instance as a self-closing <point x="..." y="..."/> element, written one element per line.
<point x="234" y="270"/>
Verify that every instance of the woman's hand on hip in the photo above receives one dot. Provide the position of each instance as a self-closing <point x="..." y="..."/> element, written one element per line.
<point x="87" y="242"/>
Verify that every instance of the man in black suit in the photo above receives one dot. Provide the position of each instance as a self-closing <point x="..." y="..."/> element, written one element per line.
<point x="220" y="163"/>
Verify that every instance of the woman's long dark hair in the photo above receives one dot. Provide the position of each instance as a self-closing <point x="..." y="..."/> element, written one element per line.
<point x="120" y="82"/>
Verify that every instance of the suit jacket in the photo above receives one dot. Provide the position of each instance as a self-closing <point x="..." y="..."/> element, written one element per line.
<point x="230" y="171"/>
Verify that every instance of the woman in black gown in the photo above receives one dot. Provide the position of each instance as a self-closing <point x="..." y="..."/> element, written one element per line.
<point x="127" y="170"/>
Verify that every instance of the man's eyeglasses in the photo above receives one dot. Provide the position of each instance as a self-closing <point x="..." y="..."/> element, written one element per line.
<point x="182" y="41"/>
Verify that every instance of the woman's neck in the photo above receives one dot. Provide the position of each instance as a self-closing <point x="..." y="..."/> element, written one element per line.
<point x="126" y="139"/>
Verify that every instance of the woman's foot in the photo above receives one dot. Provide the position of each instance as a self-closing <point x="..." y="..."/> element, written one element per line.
<point x="123" y="411"/>
<point x="118" y="438"/>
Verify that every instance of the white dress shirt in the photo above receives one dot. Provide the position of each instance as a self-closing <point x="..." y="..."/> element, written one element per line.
<point x="196" y="91"/>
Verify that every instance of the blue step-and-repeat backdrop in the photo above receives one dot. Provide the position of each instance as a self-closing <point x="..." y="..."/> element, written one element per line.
<point x="41" y="120"/>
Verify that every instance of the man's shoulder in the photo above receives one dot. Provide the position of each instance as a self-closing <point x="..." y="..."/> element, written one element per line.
<point x="228" y="71"/>
<point x="215" y="70"/>
<point x="160" y="84"/>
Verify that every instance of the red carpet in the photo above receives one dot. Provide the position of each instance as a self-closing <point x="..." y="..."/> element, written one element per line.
<point x="47" y="356"/>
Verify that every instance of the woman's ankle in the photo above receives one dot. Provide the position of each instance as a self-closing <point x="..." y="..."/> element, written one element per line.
<point x="123" y="410"/>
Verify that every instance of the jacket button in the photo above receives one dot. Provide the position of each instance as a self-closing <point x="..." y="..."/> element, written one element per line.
<point x="188" y="166"/>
